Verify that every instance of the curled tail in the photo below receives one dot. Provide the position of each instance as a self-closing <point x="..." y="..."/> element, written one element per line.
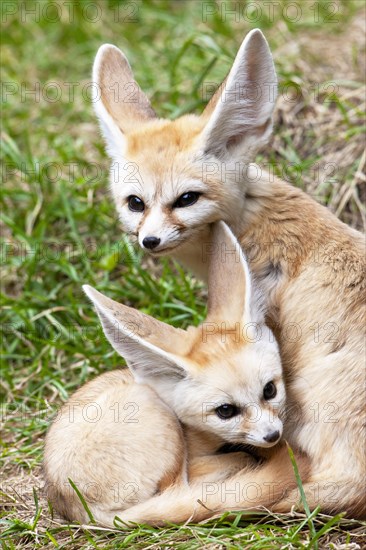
<point x="246" y="490"/>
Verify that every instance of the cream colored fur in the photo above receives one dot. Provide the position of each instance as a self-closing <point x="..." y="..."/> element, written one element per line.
<point x="309" y="264"/>
<point x="119" y="437"/>
<point x="99" y="440"/>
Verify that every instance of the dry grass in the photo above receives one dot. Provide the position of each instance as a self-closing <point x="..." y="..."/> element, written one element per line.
<point x="319" y="111"/>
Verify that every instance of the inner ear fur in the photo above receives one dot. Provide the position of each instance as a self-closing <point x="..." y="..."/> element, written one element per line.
<point x="144" y="327"/>
<point x="229" y="283"/>
<point x="240" y="112"/>
<point x="120" y="94"/>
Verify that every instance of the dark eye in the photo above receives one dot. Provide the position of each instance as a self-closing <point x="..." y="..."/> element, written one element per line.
<point x="227" y="411"/>
<point x="135" y="204"/>
<point x="269" y="391"/>
<point x="187" y="199"/>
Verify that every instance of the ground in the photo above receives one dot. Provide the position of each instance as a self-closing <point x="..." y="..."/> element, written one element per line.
<point x="59" y="227"/>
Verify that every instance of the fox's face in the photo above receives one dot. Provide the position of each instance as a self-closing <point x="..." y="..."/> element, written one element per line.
<point x="169" y="179"/>
<point x="164" y="203"/>
<point x="224" y="376"/>
<point x="237" y="394"/>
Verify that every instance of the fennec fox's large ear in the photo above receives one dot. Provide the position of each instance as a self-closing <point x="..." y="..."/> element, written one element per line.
<point x="154" y="350"/>
<point x="229" y="282"/>
<point x="240" y="113"/>
<point x="119" y="102"/>
<point x="146" y="343"/>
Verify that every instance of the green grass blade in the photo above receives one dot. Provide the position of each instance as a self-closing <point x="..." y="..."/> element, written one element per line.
<point x="82" y="500"/>
<point x="303" y="496"/>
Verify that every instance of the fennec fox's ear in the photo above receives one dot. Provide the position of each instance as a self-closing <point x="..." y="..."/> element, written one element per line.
<point x="154" y="349"/>
<point x="143" y="341"/>
<point x="240" y="113"/>
<point x="229" y="282"/>
<point x="120" y="103"/>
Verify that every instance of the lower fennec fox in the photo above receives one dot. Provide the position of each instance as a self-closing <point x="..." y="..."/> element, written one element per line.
<point x="121" y="441"/>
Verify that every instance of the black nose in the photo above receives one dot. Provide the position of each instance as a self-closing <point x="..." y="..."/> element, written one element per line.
<point x="272" y="437"/>
<point x="150" y="242"/>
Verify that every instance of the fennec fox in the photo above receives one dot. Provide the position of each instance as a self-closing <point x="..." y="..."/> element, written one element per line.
<point x="171" y="179"/>
<point x="119" y="437"/>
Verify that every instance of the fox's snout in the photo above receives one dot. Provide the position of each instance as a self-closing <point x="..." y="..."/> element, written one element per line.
<point x="156" y="232"/>
<point x="150" y="242"/>
<point x="272" y="437"/>
<point x="265" y="434"/>
<point x="153" y="243"/>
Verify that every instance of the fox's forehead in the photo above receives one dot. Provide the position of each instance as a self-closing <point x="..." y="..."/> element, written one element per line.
<point x="241" y="386"/>
<point x="240" y="377"/>
<point x="161" y="137"/>
<point x="231" y="355"/>
<point x="158" y="163"/>
<point x="211" y="343"/>
<point x="164" y="159"/>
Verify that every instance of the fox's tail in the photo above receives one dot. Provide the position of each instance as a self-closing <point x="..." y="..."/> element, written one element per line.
<point x="247" y="490"/>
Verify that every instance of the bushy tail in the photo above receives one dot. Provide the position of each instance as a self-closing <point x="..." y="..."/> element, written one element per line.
<point x="247" y="490"/>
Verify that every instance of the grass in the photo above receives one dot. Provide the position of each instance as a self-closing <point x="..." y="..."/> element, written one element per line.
<point x="59" y="228"/>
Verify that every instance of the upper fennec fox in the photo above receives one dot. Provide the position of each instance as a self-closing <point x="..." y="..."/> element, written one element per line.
<point x="171" y="179"/>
